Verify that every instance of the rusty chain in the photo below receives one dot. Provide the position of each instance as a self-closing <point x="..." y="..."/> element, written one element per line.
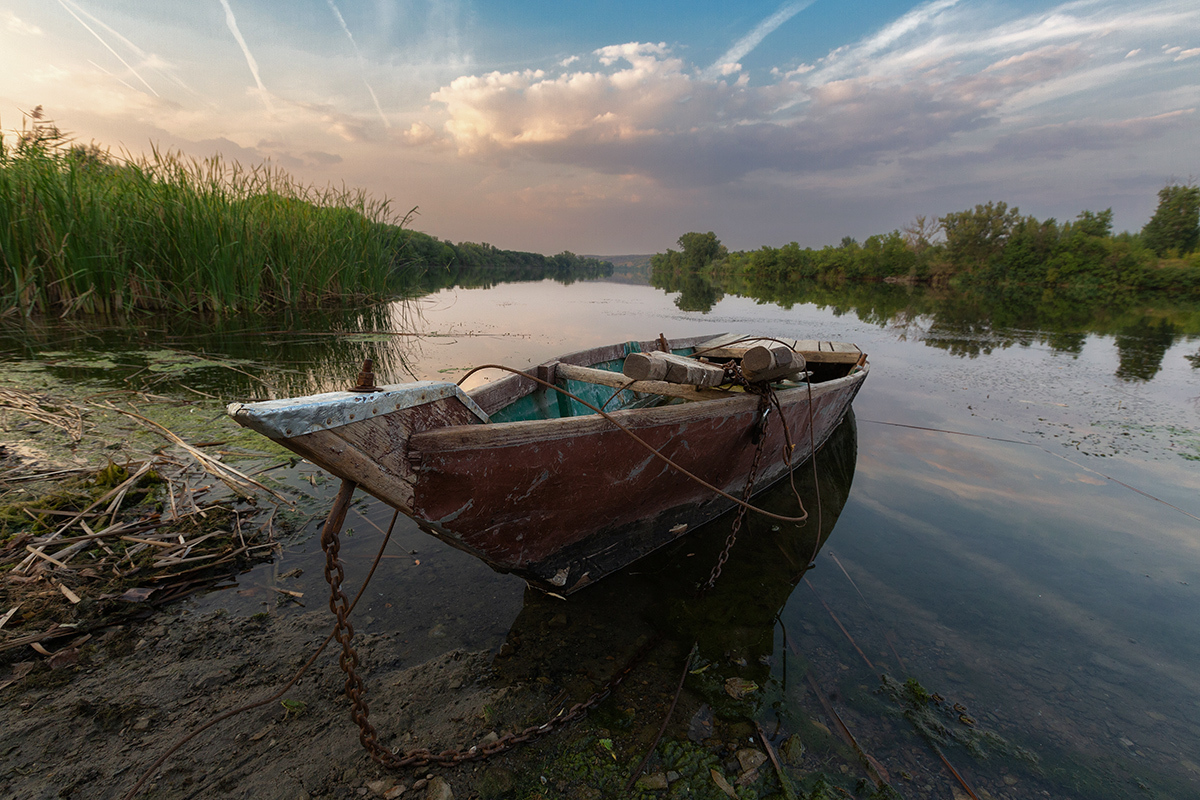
<point x="765" y="397"/>
<point x="421" y="757"/>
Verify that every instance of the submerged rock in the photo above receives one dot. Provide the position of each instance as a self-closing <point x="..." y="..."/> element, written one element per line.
<point x="655" y="780"/>
<point x="438" y="789"/>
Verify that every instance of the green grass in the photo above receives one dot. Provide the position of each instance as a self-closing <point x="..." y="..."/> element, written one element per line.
<point x="84" y="231"/>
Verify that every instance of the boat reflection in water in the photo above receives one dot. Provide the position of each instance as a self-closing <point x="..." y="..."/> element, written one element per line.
<point x="577" y="643"/>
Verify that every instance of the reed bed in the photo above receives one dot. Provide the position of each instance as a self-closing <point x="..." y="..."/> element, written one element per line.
<point x="86" y="543"/>
<point x="82" y="230"/>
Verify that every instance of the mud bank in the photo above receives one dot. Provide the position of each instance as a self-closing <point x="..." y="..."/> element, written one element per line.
<point x="91" y="729"/>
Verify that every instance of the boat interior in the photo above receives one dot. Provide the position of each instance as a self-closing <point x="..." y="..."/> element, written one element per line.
<point x="600" y="377"/>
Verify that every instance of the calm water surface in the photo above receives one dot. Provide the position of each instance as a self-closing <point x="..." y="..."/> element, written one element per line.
<point x="1015" y="535"/>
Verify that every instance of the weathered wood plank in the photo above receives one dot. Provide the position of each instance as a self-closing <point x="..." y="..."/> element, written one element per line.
<point x="828" y="352"/>
<point x="346" y="461"/>
<point x="618" y="381"/>
<point x="671" y="368"/>
<point x="738" y="347"/>
<point x="502" y="434"/>
<point x="374" y="451"/>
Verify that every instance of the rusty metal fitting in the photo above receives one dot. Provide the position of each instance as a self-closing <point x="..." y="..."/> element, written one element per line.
<point x="366" y="378"/>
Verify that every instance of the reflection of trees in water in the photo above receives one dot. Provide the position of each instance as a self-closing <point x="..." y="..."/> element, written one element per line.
<point x="698" y="294"/>
<point x="698" y="291"/>
<point x="977" y="320"/>
<point x="228" y="356"/>
<point x="1141" y="348"/>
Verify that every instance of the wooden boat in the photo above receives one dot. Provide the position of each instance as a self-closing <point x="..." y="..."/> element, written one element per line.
<point x="534" y="482"/>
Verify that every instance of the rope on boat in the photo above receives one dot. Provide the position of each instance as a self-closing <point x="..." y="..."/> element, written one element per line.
<point x="653" y="450"/>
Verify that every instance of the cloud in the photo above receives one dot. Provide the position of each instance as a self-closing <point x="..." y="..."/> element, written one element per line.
<point x="420" y="134"/>
<point x="1065" y="139"/>
<point x="15" y="24"/>
<point x="322" y="158"/>
<point x="728" y="62"/>
<point x="941" y="73"/>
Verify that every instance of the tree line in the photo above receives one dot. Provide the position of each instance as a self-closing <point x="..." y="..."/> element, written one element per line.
<point x="431" y="263"/>
<point x="84" y="231"/>
<point x="990" y="244"/>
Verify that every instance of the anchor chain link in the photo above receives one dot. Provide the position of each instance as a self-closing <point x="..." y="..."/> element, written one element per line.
<point x="355" y="689"/>
<point x="764" y="407"/>
<point x="422" y="757"/>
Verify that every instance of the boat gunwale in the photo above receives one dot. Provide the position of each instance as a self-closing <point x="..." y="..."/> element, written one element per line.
<point x="464" y="437"/>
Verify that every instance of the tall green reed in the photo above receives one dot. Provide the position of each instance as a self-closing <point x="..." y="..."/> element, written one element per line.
<point x="83" y="231"/>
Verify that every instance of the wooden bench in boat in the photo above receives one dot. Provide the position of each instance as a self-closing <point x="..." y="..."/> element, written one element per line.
<point x="616" y="380"/>
<point x="732" y="345"/>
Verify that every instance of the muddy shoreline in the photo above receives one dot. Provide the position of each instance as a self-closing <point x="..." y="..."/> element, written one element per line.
<point x="88" y="711"/>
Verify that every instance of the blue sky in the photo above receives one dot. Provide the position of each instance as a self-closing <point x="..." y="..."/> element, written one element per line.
<point x="615" y="127"/>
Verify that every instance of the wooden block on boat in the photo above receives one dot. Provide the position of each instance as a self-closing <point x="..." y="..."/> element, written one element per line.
<point x="671" y="368"/>
<point x="641" y="367"/>
<point x="736" y="346"/>
<point x="761" y="359"/>
<point x="775" y="365"/>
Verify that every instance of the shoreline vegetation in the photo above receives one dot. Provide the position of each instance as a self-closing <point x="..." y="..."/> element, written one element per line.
<point x="84" y="231"/>
<point x="990" y="247"/>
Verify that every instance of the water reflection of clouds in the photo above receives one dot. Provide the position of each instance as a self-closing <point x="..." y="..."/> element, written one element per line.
<point x="1027" y="599"/>
<point x="1053" y="492"/>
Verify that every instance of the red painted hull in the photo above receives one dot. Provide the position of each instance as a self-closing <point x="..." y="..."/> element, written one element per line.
<point x="566" y="500"/>
<point x="573" y="499"/>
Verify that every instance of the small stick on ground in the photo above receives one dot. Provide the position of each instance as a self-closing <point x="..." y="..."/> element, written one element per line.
<point x="783" y="781"/>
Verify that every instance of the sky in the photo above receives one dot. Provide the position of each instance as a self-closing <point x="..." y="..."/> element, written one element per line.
<point x="614" y="127"/>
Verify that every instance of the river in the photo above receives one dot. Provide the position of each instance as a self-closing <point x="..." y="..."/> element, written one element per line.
<point x="1018" y="534"/>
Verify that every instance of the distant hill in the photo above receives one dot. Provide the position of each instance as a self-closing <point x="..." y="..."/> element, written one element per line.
<point x="633" y="269"/>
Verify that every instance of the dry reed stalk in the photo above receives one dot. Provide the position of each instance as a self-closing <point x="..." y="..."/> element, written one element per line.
<point x="122" y="487"/>
<point x="234" y="479"/>
<point x="32" y="405"/>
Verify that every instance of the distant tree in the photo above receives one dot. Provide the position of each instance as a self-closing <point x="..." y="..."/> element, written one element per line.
<point x="1094" y="224"/>
<point x="974" y="237"/>
<point x="700" y="249"/>
<point x="1175" y="225"/>
<point x="920" y="233"/>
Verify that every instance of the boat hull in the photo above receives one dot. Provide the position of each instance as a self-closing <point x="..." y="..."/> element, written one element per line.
<point x="559" y="501"/>
<point x="564" y="502"/>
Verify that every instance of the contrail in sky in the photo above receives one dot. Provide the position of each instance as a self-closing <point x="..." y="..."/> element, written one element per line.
<point x="362" y="65"/>
<point x="116" y="78"/>
<point x="231" y="22"/>
<point x="742" y="47"/>
<point x="106" y="45"/>
<point x="137" y="51"/>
